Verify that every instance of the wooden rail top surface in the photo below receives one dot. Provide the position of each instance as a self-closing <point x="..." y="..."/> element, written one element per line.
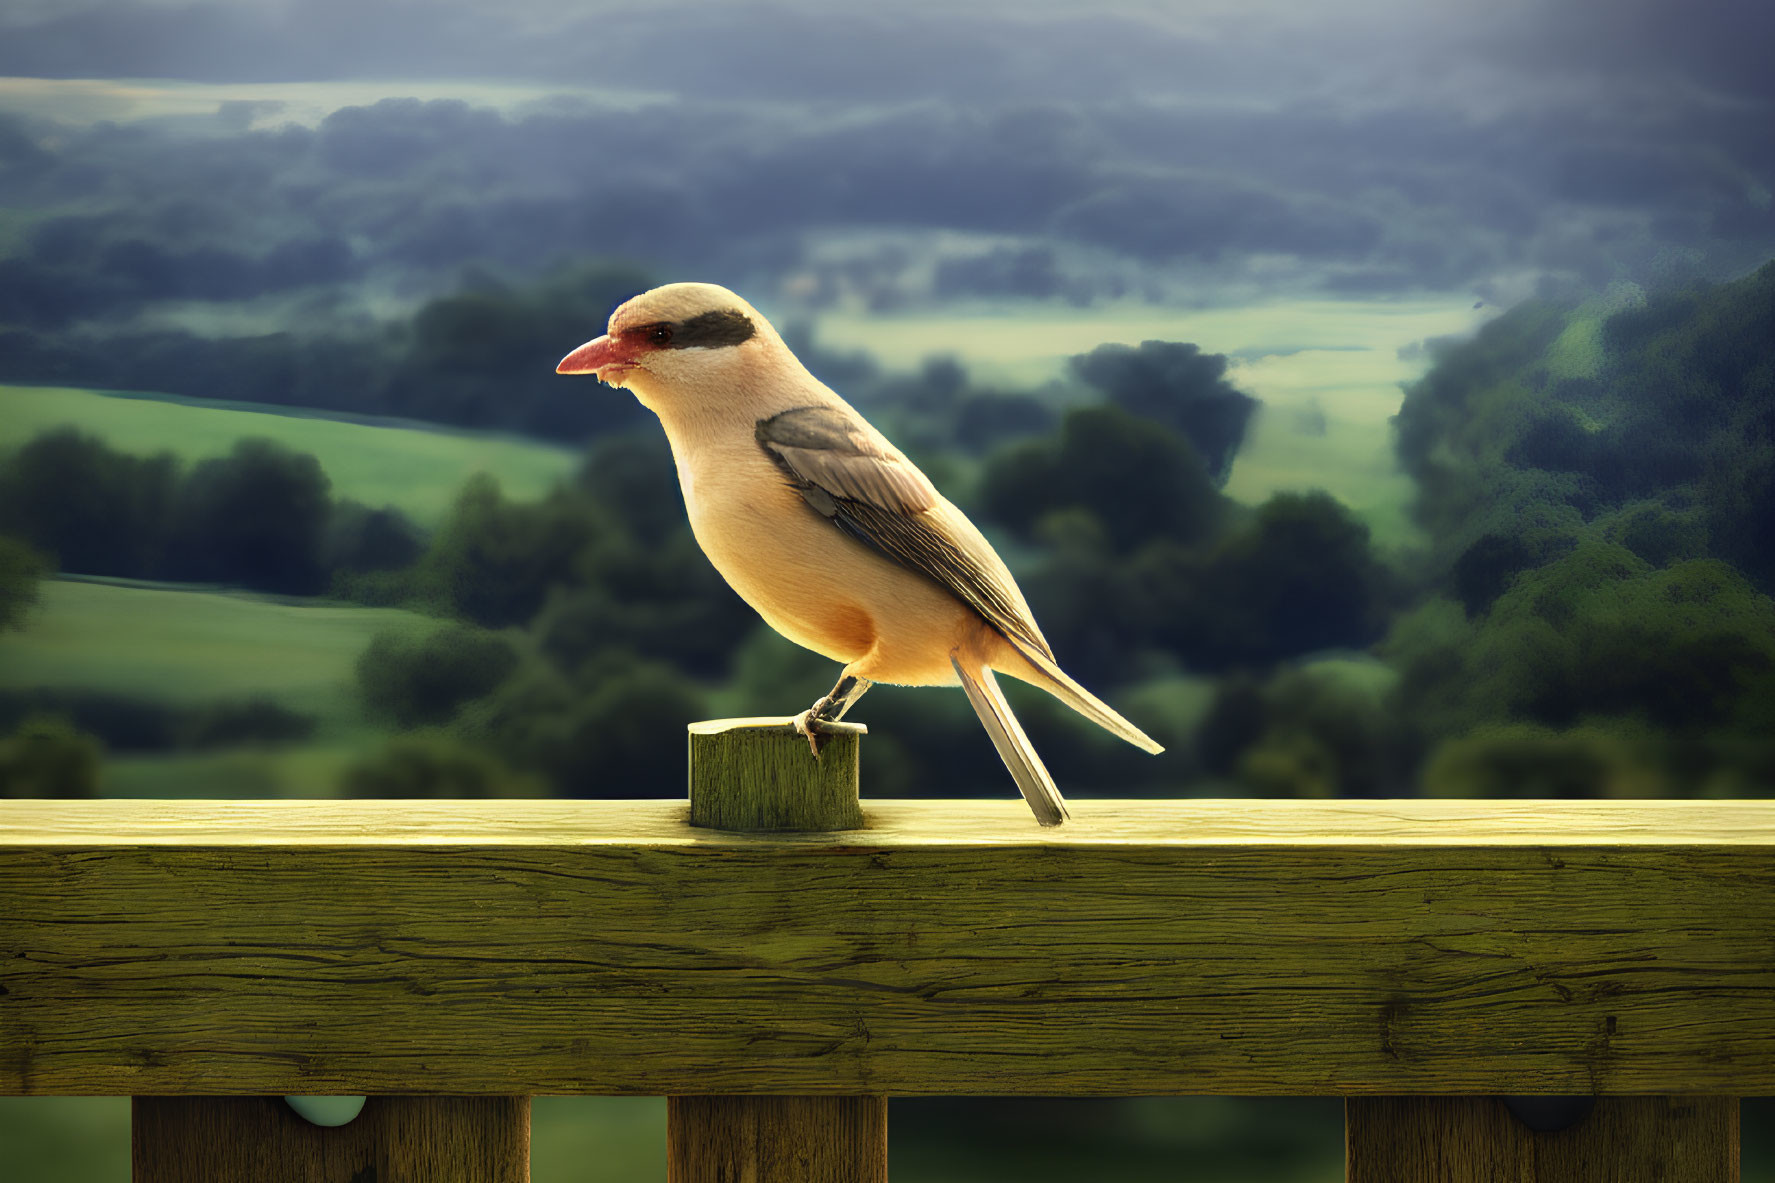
<point x="1188" y="946"/>
<point x="1195" y="821"/>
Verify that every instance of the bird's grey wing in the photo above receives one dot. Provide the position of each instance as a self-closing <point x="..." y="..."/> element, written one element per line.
<point x="880" y="498"/>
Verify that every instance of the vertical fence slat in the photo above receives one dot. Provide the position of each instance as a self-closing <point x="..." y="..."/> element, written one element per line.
<point x="1476" y="1140"/>
<point x="752" y="774"/>
<point x="777" y="1139"/>
<point x="394" y="1140"/>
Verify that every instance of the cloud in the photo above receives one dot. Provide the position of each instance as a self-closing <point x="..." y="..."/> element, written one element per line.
<point x="1649" y="47"/>
<point x="784" y="51"/>
<point x="1028" y="273"/>
<point x="985" y="153"/>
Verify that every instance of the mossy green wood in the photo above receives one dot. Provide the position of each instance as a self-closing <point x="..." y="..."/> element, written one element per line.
<point x="761" y="775"/>
<point x="1238" y="947"/>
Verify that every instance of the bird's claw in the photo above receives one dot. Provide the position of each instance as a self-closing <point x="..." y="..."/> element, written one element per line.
<point x="811" y="724"/>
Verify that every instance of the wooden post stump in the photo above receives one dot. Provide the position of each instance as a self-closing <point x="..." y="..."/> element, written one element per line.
<point x="394" y="1140"/>
<point x="1477" y="1140"/>
<point x="759" y="775"/>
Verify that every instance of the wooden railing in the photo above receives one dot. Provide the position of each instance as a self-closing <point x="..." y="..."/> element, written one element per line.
<point x="453" y="957"/>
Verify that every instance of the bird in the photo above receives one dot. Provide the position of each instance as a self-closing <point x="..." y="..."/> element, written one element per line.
<point x="826" y="529"/>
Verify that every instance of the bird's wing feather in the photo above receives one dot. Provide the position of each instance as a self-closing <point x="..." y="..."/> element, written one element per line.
<point x="848" y="473"/>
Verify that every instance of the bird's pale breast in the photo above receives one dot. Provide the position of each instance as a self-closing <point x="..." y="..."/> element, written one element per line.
<point x="810" y="581"/>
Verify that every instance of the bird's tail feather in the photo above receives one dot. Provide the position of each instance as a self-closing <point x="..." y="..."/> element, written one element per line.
<point x="1013" y="746"/>
<point x="1055" y="682"/>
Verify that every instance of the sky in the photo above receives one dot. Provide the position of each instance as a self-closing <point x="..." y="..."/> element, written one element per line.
<point x="914" y="177"/>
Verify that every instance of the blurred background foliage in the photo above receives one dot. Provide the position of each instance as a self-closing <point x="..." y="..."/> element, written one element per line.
<point x="1357" y="428"/>
<point x="1588" y="613"/>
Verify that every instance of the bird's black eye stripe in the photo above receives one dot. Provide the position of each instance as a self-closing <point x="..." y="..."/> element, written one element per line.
<point x="713" y="330"/>
<point x="706" y="330"/>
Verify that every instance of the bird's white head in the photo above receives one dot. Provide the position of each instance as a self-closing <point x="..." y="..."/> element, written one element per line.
<point x="678" y="343"/>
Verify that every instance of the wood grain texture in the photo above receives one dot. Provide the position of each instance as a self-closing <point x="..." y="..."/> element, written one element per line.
<point x="776" y="1139"/>
<point x="1475" y="1140"/>
<point x="1240" y="947"/>
<point x="394" y="1140"/>
<point x="753" y="777"/>
<point x="1193" y="822"/>
<point x="760" y="775"/>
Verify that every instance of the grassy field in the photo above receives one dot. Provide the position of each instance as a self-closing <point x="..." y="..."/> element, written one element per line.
<point x="202" y="645"/>
<point x="412" y="466"/>
<point x="196" y="645"/>
<point x="193" y="646"/>
<point x="1327" y="371"/>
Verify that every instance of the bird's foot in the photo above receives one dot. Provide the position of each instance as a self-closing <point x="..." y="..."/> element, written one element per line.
<point x="812" y="722"/>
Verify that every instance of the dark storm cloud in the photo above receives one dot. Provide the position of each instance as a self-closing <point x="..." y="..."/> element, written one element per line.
<point x="733" y="190"/>
<point x="1716" y="46"/>
<point x="1210" y="217"/>
<point x="1029" y="273"/>
<point x="777" y="51"/>
<point x="222" y="42"/>
<point x="1086" y="154"/>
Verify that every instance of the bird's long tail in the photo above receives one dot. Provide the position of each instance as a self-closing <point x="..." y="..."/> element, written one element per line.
<point x="1013" y="746"/>
<point x="1054" y="680"/>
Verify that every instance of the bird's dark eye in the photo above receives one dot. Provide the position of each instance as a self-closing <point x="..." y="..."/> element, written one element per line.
<point x="660" y="334"/>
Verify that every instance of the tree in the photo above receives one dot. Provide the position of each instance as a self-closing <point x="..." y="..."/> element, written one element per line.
<point x="1597" y="635"/>
<point x="96" y="510"/>
<point x="663" y="601"/>
<point x="1649" y="425"/>
<point x="1178" y="385"/>
<point x="484" y="356"/>
<point x="1140" y="479"/>
<point x="1314" y="731"/>
<point x="256" y="517"/>
<point x="634" y="474"/>
<point x="21" y="569"/>
<point x="415" y="680"/>
<point x="613" y="730"/>
<point x="1297" y="578"/>
<point x="434" y="765"/>
<point x="47" y="757"/>
<point x="496" y="561"/>
<point x="359" y="538"/>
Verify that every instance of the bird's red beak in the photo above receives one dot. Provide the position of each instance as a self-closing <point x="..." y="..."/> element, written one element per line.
<point x="596" y="357"/>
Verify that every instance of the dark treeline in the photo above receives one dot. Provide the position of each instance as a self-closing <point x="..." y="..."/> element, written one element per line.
<point x="22" y="568"/>
<point x="480" y="357"/>
<point x="1592" y="614"/>
<point x="1601" y="503"/>
<point x="125" y="723"/>
<point x="261" y="517"/>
